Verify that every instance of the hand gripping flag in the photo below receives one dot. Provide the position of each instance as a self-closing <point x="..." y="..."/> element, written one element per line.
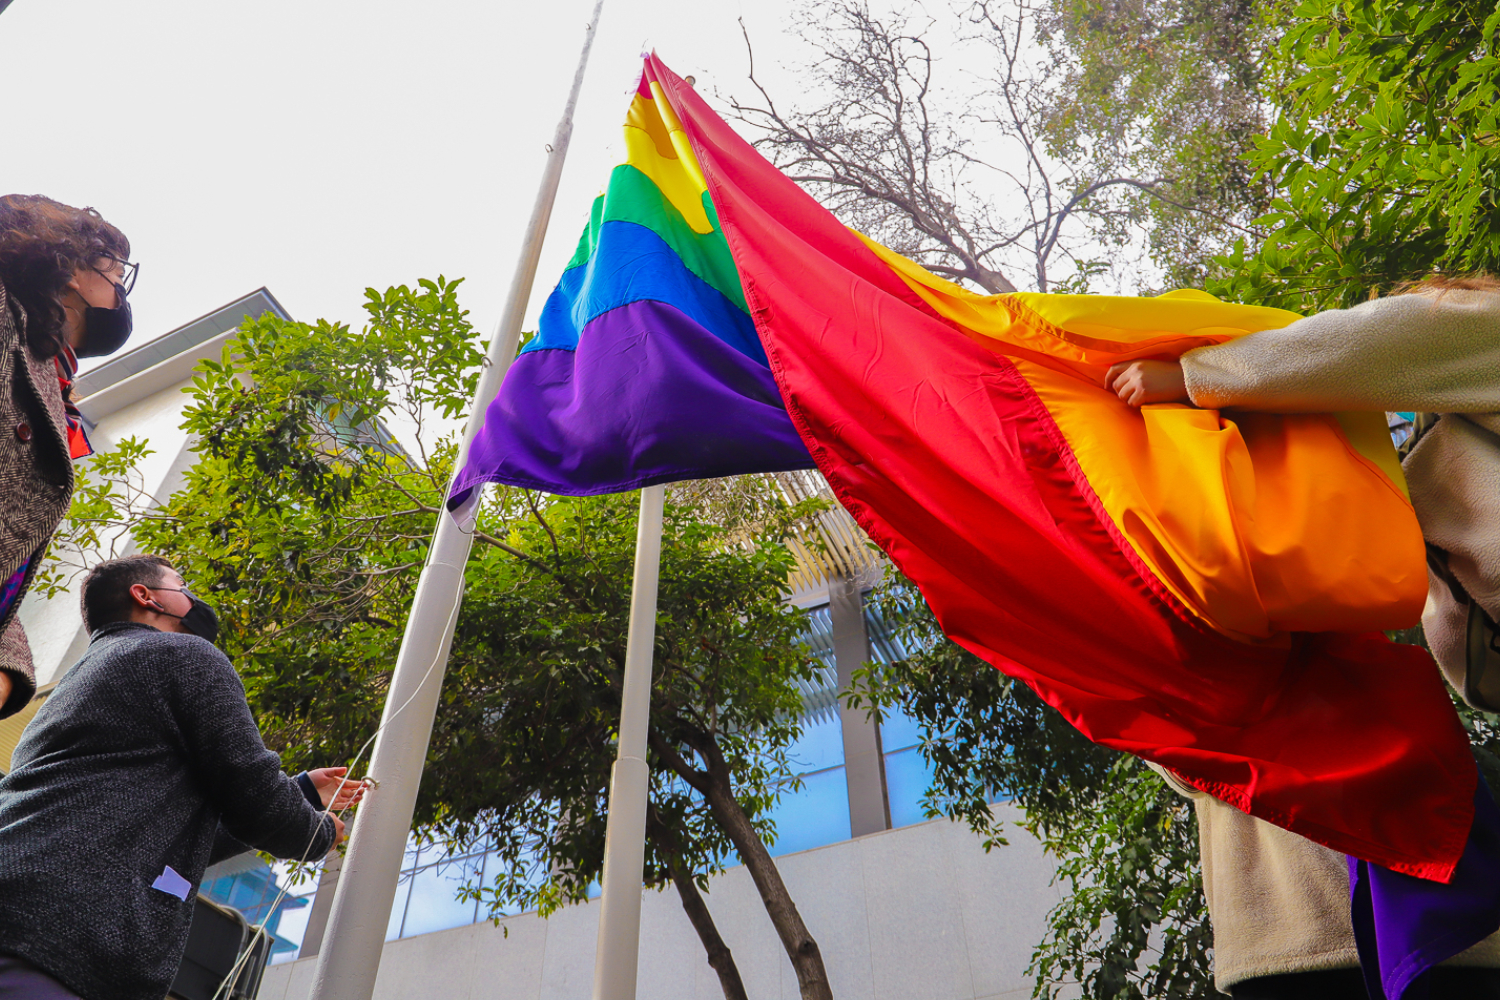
<point x="1202" y="589"/>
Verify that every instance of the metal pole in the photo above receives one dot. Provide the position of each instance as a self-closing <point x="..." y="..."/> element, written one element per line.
<point x="350" y="955"/>
<point x="625" y="830"/>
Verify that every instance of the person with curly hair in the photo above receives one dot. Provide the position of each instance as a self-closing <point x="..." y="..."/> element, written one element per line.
<point x="64" y="280"/>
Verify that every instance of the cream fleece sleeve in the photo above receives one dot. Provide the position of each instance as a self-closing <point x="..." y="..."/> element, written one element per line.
<point x="1428" y="352"/>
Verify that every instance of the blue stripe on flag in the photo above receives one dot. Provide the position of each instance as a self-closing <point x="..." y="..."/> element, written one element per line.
<point x="633" y="264"/>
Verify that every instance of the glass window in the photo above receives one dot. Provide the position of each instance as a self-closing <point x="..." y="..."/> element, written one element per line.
<point x="254" y="888"/>
<point x="292" y="928"/>
<point x="899" y="731"/>
<point x="816" y="815"/>
<point x="884" y="646"/>
<point x="398" y="908"/>
<point x="907" y="777"/>
<point x="434" y="904"/>
<point x="820" y="746"/>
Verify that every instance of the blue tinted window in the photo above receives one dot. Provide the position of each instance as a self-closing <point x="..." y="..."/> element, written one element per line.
<point x="899" y="731"/>
<point x="907" y="776"/>
<point x="434" y="904"/>
<point x="819" y="635"/>
<point x="398" y="908"/>
<point x="820" y="746"/>
<point x="292" y="927"/>
<point x="815" y="816"/>
<point x="884" y="646"/>
<point x="255" y="890"/>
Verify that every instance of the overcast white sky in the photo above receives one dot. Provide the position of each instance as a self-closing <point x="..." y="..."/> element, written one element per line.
<point x="317" y="147"/>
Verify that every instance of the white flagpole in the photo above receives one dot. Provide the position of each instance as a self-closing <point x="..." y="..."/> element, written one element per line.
<point x="350" y="955"/>
<point x="625" y="829"/>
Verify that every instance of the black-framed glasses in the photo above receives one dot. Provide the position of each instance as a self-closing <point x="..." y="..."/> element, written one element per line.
<point x="128" y="270"/>
<point x="181" y="590"/>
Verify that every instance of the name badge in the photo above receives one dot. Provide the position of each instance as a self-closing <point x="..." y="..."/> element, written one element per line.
<point x="172" y="883"/>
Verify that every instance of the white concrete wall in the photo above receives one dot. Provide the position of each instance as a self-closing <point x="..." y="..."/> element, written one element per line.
<point x="918" y="913"/>
<point x="54" y="628"/>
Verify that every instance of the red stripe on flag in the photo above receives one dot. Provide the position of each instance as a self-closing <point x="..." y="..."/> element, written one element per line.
<point x="953" y="466"/>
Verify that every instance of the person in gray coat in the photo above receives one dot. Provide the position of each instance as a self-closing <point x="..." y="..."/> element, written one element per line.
<point x="64" y="277"/>
<point x="141" y="769"/>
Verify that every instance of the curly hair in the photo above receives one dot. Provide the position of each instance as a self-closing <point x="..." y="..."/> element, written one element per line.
<point x="1441" y="283"/>
<point x="42" y="242"/>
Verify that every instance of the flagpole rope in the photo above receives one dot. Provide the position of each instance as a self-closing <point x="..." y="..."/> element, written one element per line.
<point x="345" y="780"/>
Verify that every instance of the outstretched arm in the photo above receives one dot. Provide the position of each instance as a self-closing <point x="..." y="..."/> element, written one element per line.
<point x="1426" y="352"/>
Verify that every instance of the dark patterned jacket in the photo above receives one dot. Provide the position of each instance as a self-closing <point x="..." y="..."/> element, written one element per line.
<point x="145" y="758"/>
<point x="36" y="481"/>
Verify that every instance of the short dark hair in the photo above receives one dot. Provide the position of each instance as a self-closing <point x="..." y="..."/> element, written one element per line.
<point x="105" y="597"/>
<point x="42" y="242"/>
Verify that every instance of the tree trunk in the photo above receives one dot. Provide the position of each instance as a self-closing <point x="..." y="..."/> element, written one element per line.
<point x="720" y="958"/>
<point x="807" y="960"/>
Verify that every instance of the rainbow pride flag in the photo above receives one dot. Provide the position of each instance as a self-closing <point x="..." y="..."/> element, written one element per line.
<point x="646" y="367"/>
<point x="1202" y="589"/>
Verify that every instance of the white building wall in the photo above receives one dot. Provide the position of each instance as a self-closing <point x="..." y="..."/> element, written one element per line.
<point x="916" y="913"/>
<point x="53" y="627"/>
<point x="139" y="393"/>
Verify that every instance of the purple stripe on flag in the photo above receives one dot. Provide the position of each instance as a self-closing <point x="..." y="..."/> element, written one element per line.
<point x="648" y="397"/>
<point x="1404" y="925"/>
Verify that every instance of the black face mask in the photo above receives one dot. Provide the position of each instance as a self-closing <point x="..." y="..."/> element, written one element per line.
<point x="201" y="620"/>
<point x="106" y="330"/>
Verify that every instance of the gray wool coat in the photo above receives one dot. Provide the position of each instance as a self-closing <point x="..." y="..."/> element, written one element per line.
<point x="145" y="758"/>
<point x="36" y="481"/>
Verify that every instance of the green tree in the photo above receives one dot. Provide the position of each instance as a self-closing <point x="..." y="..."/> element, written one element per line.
<point x="1170" y="89"/>
<point x="306" y="522"/>
<point x="1383" y="154"/>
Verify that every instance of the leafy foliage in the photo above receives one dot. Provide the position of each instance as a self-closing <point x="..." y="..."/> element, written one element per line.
<point x="1134" y="922"/>
<point x="306" y="522"/>
<point x="531" y="702"/>
<point x="1169" y="89"/>
<point x="108" y="483"/>
<point x="1384" y="154"/>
